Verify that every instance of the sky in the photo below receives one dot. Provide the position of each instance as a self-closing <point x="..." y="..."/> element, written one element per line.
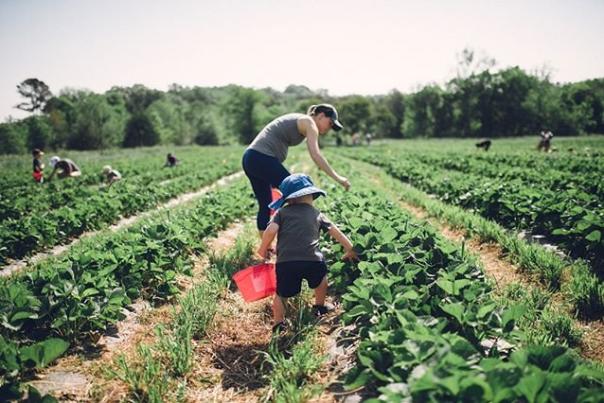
<point x="344" y="46"/>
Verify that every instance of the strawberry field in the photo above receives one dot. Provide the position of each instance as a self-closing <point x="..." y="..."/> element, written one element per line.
<point x="423" y="316"/>
<point x="34" y="218"/>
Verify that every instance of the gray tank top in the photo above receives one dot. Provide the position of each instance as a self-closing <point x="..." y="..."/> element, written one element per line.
<point x="278" y="135"/>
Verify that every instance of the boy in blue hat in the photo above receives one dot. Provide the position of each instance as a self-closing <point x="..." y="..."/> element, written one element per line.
<point x="298" y="226"/>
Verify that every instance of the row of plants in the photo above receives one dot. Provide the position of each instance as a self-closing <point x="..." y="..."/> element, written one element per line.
<point x="582" y="291"/>
<point x="429" y="325"/>
<point x="570" y="217"/>
<point x="550" y="172"/>
<point x="131" y="162"/>
<point x="69" y="300"/>
<point x="76" y="210"/>
<point x="31" y="198"/>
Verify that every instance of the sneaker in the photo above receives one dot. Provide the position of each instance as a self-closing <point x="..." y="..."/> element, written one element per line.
<point x="320" y="310"/>
<point x="280" y="327"/>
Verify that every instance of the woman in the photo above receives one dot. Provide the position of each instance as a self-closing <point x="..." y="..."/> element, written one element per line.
<point x="63" y="167"/>
<point x="111" y="175"/>
<point x="263" y="159"/>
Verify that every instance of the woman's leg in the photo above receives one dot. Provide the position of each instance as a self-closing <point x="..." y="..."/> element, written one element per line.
<point x="262" y="191"/>
<point x="264" y="172"/>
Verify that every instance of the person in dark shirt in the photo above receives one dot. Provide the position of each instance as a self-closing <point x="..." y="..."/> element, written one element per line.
<point x="484" y="144"/>
<point x="64" y="168"/>
<point x="38" y="172"/>
<point x="545" y="141"/>
<point x="171" y="161"/>
<point x="111" y="175"/>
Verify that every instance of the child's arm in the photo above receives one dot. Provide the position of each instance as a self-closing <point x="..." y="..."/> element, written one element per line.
<point x="267" y="239"/>
<point x="343" y="240"/>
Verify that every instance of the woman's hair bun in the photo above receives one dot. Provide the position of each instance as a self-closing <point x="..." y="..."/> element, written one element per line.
<point x="311" y="110"/>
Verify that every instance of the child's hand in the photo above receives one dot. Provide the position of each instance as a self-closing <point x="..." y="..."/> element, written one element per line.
<point x="262" y="253"/>
<point x="350" y="255"/>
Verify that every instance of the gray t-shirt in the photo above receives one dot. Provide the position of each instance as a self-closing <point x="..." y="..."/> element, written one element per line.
<point x="298" y="237"/>
<point x="275" y="138"/>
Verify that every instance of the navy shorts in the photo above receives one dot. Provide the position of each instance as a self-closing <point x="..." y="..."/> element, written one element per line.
<point x="291" y="274"/>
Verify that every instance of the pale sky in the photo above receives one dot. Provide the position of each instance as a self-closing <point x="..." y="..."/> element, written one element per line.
<point x="344" y="46"/>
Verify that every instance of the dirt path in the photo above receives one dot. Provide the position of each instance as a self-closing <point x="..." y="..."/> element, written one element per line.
<point x="124" y="222"/>
<point x="79" y="377"/>
<point x="229" y="366"/>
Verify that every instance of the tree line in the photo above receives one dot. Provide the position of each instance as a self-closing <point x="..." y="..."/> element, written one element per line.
<point x="477" y="102"/>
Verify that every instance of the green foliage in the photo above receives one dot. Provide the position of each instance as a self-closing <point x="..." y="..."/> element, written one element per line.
<point x="39" y="132"/>
<point x="479" y="101"/>
<point x="97" y="124"/>
<point x="147" y="382"/>
<point x="36" y="91"/>
<point x="33" y="220"/>
<point x="85" y="291"/>
<point x="353" y="112"/>
<point x="239" y="110"/>
<point x="13" y="138"/>
<point x="557" y="197"/>
<point x="140" y="132"/>
<point x="289" y="370"/>
<point x="167" y="117"/>
<point x="428" y="326"/>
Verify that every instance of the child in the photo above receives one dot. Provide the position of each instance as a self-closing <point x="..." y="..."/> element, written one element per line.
<point x="111" y="175"/>
<point x="298" y="256"/>
<point x="38" y="173"/>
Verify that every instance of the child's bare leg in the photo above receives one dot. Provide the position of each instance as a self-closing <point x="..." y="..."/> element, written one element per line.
<point x="321" y="292"/>
<point x="278" y="309"/>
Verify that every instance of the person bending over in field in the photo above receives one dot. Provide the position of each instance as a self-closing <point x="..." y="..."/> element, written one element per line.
<point x="64" y="168"/>
<point x="297" y="227"/>
<point x="484" y="144"/>
<point x="263" y="159"/>
<point x="171" y="161"/>
<point x="38" y="173"/>
<point x="111" y="175"/>
<point x="545" y="141"/>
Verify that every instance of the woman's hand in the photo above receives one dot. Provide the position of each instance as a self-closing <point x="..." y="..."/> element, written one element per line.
<point x="344" y="182"/>
<point x="350" y="255"/>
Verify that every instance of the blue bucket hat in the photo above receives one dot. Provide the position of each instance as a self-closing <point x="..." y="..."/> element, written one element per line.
<point x="296" y="185"/>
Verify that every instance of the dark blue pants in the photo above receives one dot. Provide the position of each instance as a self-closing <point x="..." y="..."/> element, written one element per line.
<point x="264" y="172"/>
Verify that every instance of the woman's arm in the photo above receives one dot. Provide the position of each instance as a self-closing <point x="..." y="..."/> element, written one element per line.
<point x="312" y="142"/>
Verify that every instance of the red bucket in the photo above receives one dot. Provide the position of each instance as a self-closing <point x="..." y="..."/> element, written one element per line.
<point x="256" y="282"/>
<point x="38" y="176"/>
<point x="276" y="194"/>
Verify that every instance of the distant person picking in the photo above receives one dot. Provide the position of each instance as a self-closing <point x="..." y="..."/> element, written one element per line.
<point x="63" y="168"/>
